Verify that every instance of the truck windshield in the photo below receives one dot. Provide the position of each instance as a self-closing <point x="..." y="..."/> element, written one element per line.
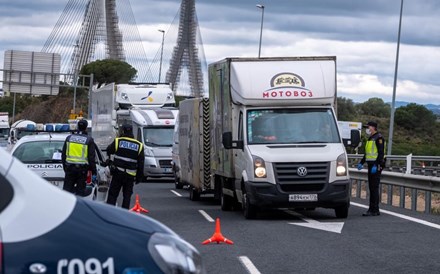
<point x="39" y="152"/>
<point x="286" y="126"/>
<point x="4" y="133"/>
<point x="158" y="136"/>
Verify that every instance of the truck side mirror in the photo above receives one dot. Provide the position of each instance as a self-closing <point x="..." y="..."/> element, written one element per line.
<point x="227" y="140"/>
<point x="229" y="144"/>
<point x="355" y="137"/>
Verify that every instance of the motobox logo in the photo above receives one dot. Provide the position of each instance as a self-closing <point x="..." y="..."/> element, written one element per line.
<point x="287" y="85"/>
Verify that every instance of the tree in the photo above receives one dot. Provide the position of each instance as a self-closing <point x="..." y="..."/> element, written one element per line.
<point x="109" y="71"/>
<point x="415" y="117"/>
<point x="346" y="109"/>
<point x="375" y="107"/>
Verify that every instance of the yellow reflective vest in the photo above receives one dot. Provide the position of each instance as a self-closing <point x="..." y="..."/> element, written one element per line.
<point x="77" y="150"/>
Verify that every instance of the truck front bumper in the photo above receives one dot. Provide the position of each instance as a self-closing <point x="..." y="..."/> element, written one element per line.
<point x="158" y="167"/>
<point x="269" y="195"/>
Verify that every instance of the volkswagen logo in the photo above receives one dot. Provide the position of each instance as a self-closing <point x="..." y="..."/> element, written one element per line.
<point x="301" y="171"/>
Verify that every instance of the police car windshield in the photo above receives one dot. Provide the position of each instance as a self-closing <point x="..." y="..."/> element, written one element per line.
<point x="158" y="136"/>
<point x="39" y="152"/>
<point x="287" y="126"/>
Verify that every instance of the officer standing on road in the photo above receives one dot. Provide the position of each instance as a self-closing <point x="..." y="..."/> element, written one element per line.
<point x="374" y="156"/>
<point x="78" y="157"/>
<point x="128" y="165"/>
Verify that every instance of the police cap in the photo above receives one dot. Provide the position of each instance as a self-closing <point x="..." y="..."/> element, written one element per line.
<point x="371" y="123"/>
<point x="82" y="124"/>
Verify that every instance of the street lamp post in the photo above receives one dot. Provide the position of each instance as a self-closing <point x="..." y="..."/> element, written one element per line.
<point x="161" y="53"/>
<point x="261" y="29"/>
<point x="393" y="103"/>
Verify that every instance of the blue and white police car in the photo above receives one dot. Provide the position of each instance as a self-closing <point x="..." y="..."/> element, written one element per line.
<point x="46" y="230"/>
<point x="41" y="152"/>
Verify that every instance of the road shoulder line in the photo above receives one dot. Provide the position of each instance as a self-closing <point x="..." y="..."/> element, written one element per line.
<point x="398" y="215"/>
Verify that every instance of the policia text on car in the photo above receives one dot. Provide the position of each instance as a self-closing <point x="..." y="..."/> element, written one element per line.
<point x="78" y="157"/>
<point x="128" y="165"/>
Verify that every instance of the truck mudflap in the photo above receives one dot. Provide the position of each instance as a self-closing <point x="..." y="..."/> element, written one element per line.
<point x="332" y="195"/>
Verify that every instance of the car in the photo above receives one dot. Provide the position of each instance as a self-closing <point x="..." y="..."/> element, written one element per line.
<point x="42" y="154"/>
<point x="46" y="230"/>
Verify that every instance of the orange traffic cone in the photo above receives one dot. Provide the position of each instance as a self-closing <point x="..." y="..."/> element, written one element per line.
<point x="217" y="237"/>
<point x="137" y="206"/>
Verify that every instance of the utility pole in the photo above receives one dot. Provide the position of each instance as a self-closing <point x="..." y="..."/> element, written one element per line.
<point x="393" y="103"/>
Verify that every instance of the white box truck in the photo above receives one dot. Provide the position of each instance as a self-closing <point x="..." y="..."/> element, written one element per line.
<point x="149" y="108"/>
<point x="4" y="129"/>
<point x="274" y="138"/>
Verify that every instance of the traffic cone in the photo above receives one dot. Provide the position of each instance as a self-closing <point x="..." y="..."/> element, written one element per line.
<point x="217" y="237"/>
<point x="137" y="206"/>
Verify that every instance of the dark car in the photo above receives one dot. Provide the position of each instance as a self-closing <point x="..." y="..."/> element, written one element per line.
<point x="46" y="230"/>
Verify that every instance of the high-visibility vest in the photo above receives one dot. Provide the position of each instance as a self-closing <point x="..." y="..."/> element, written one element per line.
<point x="127" y="151"/>
<point x="371" y="152"/>
<point x="77" y="150"/>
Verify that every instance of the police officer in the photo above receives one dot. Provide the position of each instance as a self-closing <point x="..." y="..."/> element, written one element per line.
<point x="128" y="165"/>
<point x="78" y="157"/>
<point x="374" y="156"/>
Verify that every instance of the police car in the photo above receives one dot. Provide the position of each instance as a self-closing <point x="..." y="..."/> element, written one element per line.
<point x="46" y="230"/>
<point x="42" y="154"/>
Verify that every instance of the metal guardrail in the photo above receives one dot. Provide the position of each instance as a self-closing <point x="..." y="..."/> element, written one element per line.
<point x="404" y="181"/>
<point x="410" y="164"/>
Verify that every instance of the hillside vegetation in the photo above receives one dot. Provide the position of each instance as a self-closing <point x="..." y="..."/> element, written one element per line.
<point x="416" y="129"/>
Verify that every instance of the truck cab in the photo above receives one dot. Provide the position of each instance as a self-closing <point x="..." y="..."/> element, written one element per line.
<point x="155" y="128"/>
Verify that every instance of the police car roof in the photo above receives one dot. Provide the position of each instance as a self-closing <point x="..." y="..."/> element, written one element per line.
<point x="41" y="137"/>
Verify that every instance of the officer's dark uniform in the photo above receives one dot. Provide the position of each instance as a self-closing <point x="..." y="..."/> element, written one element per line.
<point x="78" y="157"/>
<point x="128" y="166"/>
<point x="374" y="156"/>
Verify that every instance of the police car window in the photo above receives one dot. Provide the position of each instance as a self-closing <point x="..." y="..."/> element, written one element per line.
<point x="39" y="152"/>
<point x="6" y="192"/>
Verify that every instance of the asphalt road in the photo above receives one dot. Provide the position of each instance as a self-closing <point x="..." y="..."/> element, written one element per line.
<point x="287" y="241"/>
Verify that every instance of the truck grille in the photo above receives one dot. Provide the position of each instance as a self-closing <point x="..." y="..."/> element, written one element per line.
<point x="165" y="163"/>
<point x="287" y="176"/>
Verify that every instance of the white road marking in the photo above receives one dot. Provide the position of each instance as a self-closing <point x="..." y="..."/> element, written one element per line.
<point x="412" y="219"/>
<point x="177" y="193"/>
<point x="247" y="263"/>
<point x="206" y="215"/>
<point x="335" y="227"/>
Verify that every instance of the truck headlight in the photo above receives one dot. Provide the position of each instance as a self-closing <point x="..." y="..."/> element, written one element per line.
<point x="259" y="167"/>
<point x="124" y="96"/>
<point x="148" y="152"/>
<point x="341" y="165"/>
<point x="174" y="255"/>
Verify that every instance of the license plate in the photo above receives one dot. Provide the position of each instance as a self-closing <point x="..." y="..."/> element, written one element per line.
<point x="303" y="197"/>
<point x="56" y="183"/>
<point x="167" y="170"/>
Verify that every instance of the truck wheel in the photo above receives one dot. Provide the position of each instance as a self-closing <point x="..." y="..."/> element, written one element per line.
<point x="342" y="211"/>
<point x="249" y="210"/>
<point x="194" y="194"/>
<point x="226" y="202"/>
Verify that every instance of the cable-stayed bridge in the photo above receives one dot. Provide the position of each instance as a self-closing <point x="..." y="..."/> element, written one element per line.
<point x="89" y="30"/>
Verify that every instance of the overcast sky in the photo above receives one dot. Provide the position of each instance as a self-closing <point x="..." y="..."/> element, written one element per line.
<point x="361" y="33"/>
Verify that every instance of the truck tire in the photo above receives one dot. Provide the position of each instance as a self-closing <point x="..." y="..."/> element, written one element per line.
<point x="342" y="211"/>
<point x="194" y="194"/>
<point x="226" y="202"/>
<point x="249" y="210"/>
